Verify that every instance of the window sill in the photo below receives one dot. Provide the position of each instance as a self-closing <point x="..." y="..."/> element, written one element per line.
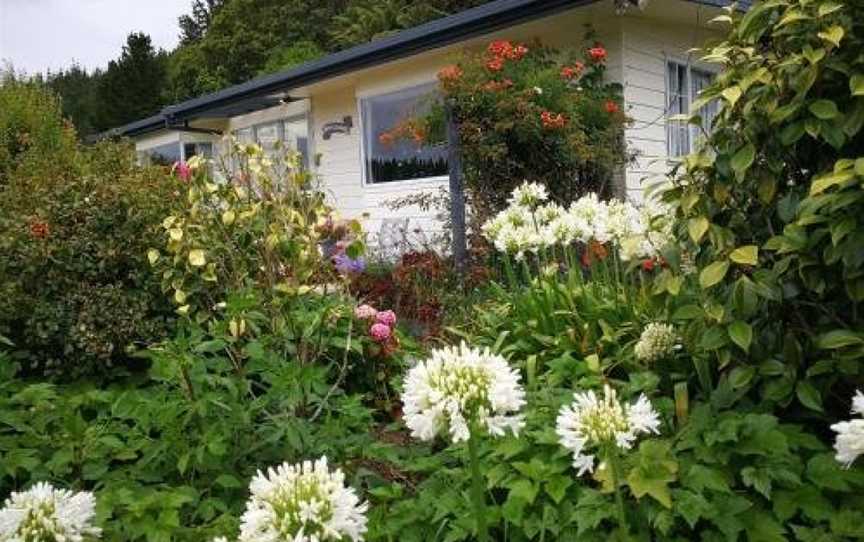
<point x="412" y="183"/>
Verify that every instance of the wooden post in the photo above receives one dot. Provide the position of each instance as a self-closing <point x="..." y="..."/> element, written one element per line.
<point x="457" y="192"/>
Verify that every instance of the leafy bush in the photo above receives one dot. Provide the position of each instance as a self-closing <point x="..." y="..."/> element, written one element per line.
<point x="528" y="112"/>
<point x="75" y="224"/>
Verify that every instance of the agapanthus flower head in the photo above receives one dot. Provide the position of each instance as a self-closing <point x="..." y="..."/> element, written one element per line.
<point x="591" y="423"/>
<point x="850" y="434"/>
<point x="460" y="387"/>
<point x="365" y="312"/>
<point x="529" y="195"/>
<point x="657" y="341"/>
<point x="380" y="332"/>
<point x="302" y="503"/>
<point x="44" y="513"/>
<point x="388" y="318"/>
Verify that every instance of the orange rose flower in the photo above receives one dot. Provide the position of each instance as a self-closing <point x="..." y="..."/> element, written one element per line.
<point x="450" y="73"/>
<point x="495" y="65"/>
<point x="611" y="107"/>
<point x="597" y="53"/>
<point x="552" y="121"/>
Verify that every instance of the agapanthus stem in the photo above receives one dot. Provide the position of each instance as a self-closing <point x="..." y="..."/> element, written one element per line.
<point x="478" y="493"/>
<point x="615" y="470"/>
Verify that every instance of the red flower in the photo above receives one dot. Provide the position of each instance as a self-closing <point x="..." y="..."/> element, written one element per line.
<point x="597" y="53"/>
<point x="39" y="230"/>
<point x="450" y="73"/>
<point x="571" y="72"/>
<point x="516" y="53"/>
<point x="386" y="138"/>
<point x="500" y="48"/>
<point x="648" y="265"/>
<point x="611" y="107"/>
<point x="551" y="121"/>
<point x="496" y="64"/>
<point x="495" y="86"/>
<point x="183" y="171"/>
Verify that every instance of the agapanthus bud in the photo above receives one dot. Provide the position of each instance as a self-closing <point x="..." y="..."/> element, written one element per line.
<point x="656" y="342"/>
<point x="460" y="386"/>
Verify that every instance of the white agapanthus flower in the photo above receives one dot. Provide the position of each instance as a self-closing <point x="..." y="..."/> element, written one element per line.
<point x="850" y="435"/>
<point x="590" y="423"/>
<point x="45" y="513"/>
<point x="302" y="503"/>
<point x="656" y="342"/>
<point x="529" y="195"/>
<point x="458" y="386"/>
<point x="529" y="225"/>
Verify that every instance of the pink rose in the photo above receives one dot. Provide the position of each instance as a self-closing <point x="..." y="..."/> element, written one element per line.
<point x="380" y="332"/>
<point x="388" y="318"/>
<point x="365" y="312"/>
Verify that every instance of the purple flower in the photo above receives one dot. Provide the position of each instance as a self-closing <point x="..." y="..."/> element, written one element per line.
<point x="182" y="170"/>
<point x="365" y="312"/>
<point x="349" y="266"/>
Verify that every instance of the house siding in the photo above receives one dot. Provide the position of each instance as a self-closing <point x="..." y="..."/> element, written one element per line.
<point x="647" y="47"/>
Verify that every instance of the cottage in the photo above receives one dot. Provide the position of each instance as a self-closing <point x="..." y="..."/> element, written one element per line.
<point x="332" y="109"/>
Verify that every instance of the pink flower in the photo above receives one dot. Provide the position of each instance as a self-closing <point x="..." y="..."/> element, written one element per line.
<point x="388" y="318"/>
<point x="380" y="332"/>
<point x="183" y="171"/>
<point x="365" y="312"/>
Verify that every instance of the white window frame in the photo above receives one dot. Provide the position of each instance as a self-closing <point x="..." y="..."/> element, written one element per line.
<point x="381" y="91"/>
<point x="693" y="132"/>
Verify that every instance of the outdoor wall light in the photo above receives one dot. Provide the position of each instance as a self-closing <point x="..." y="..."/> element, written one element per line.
<point x="337" y="127"/>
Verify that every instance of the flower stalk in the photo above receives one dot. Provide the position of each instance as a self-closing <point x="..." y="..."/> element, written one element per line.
<point x="478" y="493"/>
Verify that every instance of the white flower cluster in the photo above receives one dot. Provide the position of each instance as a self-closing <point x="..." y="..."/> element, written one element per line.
<point x="44" y="513"/>
<point x="528" y="225"/>
<point x="850" y="435"/>
<point x="591" y="423"/>
<point x="656" y="342"/>
<point x="302" y="503"/>
<point x="458" y="386"/>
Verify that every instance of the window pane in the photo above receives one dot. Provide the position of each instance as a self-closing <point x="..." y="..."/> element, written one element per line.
<point x="163" y="155"/>
<point x="394" y="149"/>
<point x="203" y="149"/>
<point x="677" y="133"/>
<point x="701" y="79"/>
<point x="267" y="135"/>
<point x="296" y="136"/>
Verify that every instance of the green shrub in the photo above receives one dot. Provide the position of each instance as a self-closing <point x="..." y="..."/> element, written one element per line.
<point x="75" y="225"/>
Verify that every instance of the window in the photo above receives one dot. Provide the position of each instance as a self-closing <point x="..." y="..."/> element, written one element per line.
<point x="292" y="132"/>
<point x="163" y="155"/>
<point x="683" y="86"/>
<point x="393" y="149"/>
<point x="202" y="149"/>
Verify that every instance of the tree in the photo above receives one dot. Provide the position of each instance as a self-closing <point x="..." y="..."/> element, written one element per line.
<point x="132" y="86"/>
<point x="195" y="25"/>
<point x="78" y="91"/>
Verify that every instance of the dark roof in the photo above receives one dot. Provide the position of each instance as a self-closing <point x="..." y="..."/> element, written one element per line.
<point x="257" y="93"/>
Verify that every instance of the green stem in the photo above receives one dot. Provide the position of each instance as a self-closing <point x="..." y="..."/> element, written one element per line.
<point x="614" y="467"/>
<point x="477" y="491"/>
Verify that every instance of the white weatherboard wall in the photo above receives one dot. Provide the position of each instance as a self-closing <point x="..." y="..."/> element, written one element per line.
<point x="647" y="46"/>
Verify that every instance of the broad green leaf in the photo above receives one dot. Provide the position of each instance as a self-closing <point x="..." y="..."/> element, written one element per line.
<point x="746" y="255"/>
<point x="697" y="228"/>
<point x="827" y="8"/>
<point x="859" y="167"/>
<point x="743" y="159"/>
<point x="821" y="184"/>
<point x="839" y="338"/>
<point x="741" y="334"/>
<point x="197" y="258"/>
<point x="809" y="395"/>
<point x="152" y="256"/>
<point x="833" y="35"/>
<point x="856" y="84"/>
<point x="176" y="234"/>
<point x="228" y="217"/>
<point x="824" y="109"/>
<point x="713" y="274"/>
<point x="180" y="296"/>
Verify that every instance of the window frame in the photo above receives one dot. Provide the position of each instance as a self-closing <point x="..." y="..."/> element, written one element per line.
<point x="280" y="122"/>
<point x="689" y="67"/>
<point x="361" y="127"/>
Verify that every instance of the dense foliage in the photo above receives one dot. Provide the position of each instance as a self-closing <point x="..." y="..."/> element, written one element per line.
<point x="74" y="225"/>
<point x="528" y="112"/>
<point x="675" y="371"/>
